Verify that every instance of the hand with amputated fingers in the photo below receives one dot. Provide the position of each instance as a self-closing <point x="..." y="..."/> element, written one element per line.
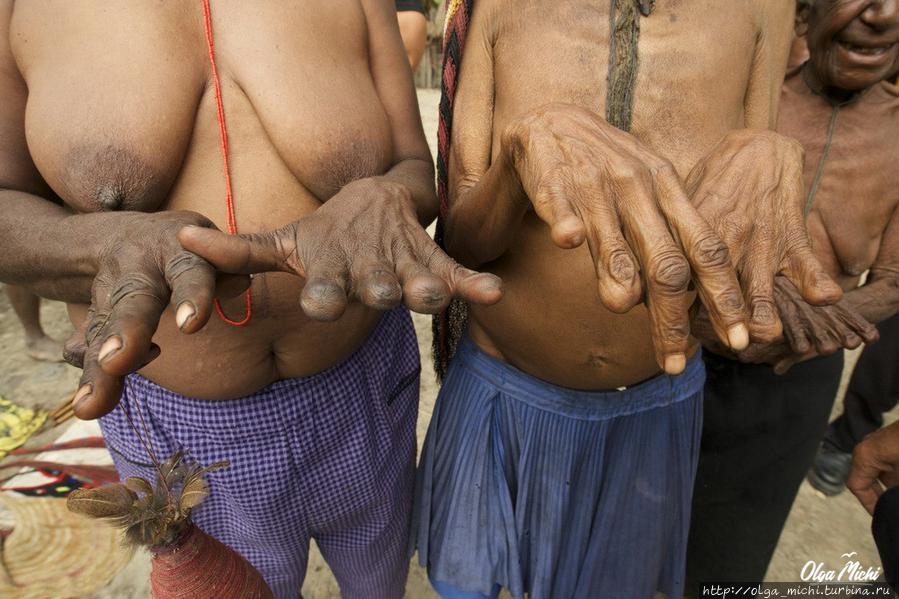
<point x="365" y="243"/>
<point x="140" y="270"/>
<point x="817" y="330"/>
<point x="875" y="466"/>
<point x="808" y="331"/>
<point x="590" y="181"/>
<point x="750" y="190"/>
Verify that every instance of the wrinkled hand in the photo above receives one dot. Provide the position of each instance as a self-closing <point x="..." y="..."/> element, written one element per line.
<point x="140" y="269"/>
<point x="590" y="181"/>
<point x="808" y="331"/>
<point x="875" y="465"/>
<point x="364" y="243"/>
<point x="749" y="188"/>
<point x="817" y="330"/>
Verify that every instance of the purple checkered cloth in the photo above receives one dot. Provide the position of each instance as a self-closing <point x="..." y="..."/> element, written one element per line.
<point x="329" y="456"/>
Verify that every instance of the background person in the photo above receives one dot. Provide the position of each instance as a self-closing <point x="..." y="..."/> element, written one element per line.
<point x="27" y="306"/>
<point x="762" y="428"/>
<point x="413" y="20"/>
<point x="872" y="391"/>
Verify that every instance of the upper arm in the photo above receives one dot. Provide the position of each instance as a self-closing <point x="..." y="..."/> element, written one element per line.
<point x="393" y="81"/>
<point x="472" y="135"/>
<point x="769" y="64"/>
<point x="886" y="266"/>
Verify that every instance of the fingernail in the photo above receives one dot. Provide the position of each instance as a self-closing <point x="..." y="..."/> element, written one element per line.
<point x="109" y="347"/>
<point x="185" y="312"/>
<point x="738" y="337"/>
<point x="81" y="395"/>
<point x="675" y="363"/>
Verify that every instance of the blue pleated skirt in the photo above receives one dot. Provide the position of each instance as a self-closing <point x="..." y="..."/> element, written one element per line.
<point x="555" y="492"/>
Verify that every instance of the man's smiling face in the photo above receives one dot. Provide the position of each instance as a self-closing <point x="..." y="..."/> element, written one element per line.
<point x="853" y="43"/>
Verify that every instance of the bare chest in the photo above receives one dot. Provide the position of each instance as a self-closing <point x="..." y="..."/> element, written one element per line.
<point x="120" y="95"/>
<point x="853" y="181"/>
<point x="694" y="66"/>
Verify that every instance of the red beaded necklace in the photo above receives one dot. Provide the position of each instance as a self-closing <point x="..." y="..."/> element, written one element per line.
<point x="223" y="135"/>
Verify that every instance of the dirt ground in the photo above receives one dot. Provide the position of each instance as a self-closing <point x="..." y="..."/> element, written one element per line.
<point x="820" y="529"/>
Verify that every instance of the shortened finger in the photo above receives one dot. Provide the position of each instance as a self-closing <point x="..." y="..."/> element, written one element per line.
<point x="379" y="287"/>
<point x="617" y="273"/>
<point x="463" y="283"/>
<point x="551" y="204"/>
<point x="324" y="296"/>
<point x="810" y="278"/>
<point x="192" y="282"/>
<point x="98" y="392"/>
<point x="757" y="280"/>
<point x="128" y="335"/>
<point x="423" y="291"/>
<point x="714" y="275"/>
<point x="240" y="254"/>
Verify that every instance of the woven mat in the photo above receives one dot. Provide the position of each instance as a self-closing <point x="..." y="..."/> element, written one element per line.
<point x="54" y="553"/>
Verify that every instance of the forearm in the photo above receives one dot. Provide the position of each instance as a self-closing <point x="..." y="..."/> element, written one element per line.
<point x="878" y="299"/>
<point x="484" y="217"/>
<point x="46" y="247"/>
<point x="417" y="175"/>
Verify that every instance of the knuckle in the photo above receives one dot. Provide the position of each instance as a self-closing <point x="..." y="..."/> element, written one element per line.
<point x="670" y="271"/>
<point x="620" y="265"/>
<point x="74" y="355"/>
<point x="95" y="327"/>
<point x="181" y="263"/>
<point x="430" y="296"/>
<point x="135" y="284"/>
<point x="675" y="332"/>
<point x="763" y="309"/>
<point x="729" y="301"/>
<point x="711" y="252"/>
<point x="628" y="170"/>
<point x="662" y="169"/>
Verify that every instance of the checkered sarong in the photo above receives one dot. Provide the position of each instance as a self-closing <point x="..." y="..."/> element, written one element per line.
<point x="329" y="456"/>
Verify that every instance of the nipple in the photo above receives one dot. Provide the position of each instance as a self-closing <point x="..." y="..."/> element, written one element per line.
<point x="110" y="199"/>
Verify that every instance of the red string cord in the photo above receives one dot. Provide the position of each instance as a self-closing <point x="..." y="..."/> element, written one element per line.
<point x="223" y="135"/>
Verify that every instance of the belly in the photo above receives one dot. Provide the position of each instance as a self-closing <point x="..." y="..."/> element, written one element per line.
<point x="223" y="361"/>
<point x="551" y="323"/>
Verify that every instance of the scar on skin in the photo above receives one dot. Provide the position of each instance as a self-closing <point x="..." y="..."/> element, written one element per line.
<point x="113" y="178"/>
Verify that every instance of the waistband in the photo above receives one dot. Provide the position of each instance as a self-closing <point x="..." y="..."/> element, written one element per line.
<point x="659" y="391"/>
<point x="387" y="359"/>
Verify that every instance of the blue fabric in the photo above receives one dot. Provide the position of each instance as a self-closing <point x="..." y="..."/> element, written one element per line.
<point x="555" y="492"/>
<point x="448" y="591"/>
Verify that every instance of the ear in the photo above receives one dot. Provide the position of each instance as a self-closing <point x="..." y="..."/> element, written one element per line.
<point x="802" y="13"/>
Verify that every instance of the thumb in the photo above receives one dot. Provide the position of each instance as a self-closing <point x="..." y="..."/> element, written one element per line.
<point x="236" y="254"/>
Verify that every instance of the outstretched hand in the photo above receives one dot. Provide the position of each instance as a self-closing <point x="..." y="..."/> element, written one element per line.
<point x="590" y="181"/>
<point x="365" y="243"/>
<point x="141" y="269"/>
<point x="749" y="188"/>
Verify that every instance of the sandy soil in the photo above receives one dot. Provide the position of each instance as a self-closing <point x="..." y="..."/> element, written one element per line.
<point x="819" y="529"/>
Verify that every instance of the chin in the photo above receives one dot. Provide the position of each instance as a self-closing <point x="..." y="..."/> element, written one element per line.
<point x="855" y="82"/>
